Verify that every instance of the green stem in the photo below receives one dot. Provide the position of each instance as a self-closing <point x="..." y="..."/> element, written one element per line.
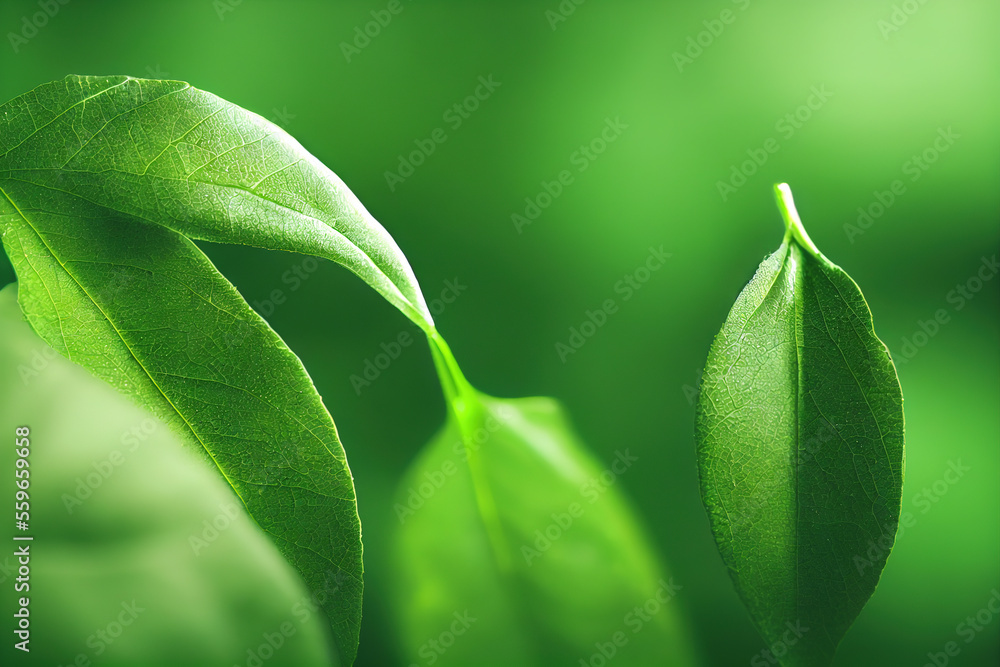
<point x="793" y="223"/>
<point x="468" y="410"/>
<point x="459" y="394"/>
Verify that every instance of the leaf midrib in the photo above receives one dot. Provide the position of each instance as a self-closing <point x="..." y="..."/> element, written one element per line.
<point x="179" y="413"/>
<point x="791" y="249"/>
<point x="419" y="317"/>
<point x="420" y="320"/>
<point x="797" y="296"/>
<point x="128" y="347"/>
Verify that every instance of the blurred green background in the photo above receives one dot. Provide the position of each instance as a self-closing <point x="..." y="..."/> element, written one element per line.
<point x="897" y="74"/>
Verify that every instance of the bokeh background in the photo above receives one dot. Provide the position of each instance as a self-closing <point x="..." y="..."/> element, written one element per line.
<point x="898" y="76"/>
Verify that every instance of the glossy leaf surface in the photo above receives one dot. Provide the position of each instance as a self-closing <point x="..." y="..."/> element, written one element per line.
<point x="800" y="448"/>
<point x="141" y="307"/>
<point x="168" y="153"/>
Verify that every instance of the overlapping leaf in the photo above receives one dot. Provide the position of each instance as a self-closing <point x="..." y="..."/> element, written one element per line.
<point x="103" y="181"/>
<point x="141" y="307"/>
<point x="105" y="473"/>
<point x="168" y="153"/>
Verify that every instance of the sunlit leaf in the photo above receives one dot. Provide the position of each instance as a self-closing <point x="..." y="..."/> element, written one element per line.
<point x="800" y="448"/>
<point x="168" y="153"/>
<point x="505" y="519"/>
<point x="142" y="308"/>
<point x="128" y="525"/>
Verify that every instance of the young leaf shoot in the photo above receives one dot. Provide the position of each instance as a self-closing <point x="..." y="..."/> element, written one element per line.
<point x="800" y="447"/>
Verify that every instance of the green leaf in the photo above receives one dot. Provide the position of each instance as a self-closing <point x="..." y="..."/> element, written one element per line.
<point x="141" y="307"/>
<point x="122" y="514"/>
<point x="505" y="519"/>
<point x="103" y="181"/>
<point x="800" y="448"/>
<point x="168" y="153"/>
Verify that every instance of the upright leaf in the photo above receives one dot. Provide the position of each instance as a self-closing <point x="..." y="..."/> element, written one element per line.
<point x="141" y="307"/>
<point x="168" y="153"/>
<point x="800" y="448"/>
<point x="517" y="548"/>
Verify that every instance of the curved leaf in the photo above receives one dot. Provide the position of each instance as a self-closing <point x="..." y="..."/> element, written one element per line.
<point x="135" y="535"/>
<point x="800" y="448"/>
<point x="168" y="153"/>
<point x="516" y="548"/>
<point x="141" y="307"/>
